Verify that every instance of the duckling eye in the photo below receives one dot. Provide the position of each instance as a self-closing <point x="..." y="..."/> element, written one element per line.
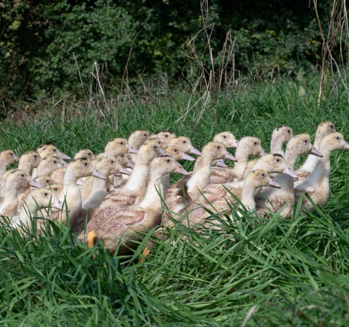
<point x="46" y="194"/>
<point x="35" y="156"/>
<point x="54" y="150"/>
<point x="168" y="160"/>
<point x="218" y="147"/>
<point x="305" y="141"/>
<point x="89" y="153"/>
<point x="155" y="147"/>
<point x="144" y="134"/>
<point x="337" y="138"/>
<point x="331" y="126"/>
<point x="175" y="150"/>
<point x="255" y="143"/>
<point x="122" y="143"/>
<point x="289" y="131"/>
<point x="85" y="163"/>
<point x="112" y="161"/>
<point x="224" y="136"/>
<point x="11" y="154"/>
<point x="54" y="161"/>
<point x="263" y="175"/>
<point x="277" y="160"/>
<point x="22" y="175"/>
<point x="166" y="135"/>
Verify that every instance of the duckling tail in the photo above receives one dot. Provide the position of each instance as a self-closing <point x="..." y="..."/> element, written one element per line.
<point x="91" y="239"/>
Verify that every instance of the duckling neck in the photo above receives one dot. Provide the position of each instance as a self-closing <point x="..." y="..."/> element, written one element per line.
<point x="291" y="158"/>
<point x="200" y="177"/>
<point x="276" y="145"/>
<point x="321" y="172"/>
<point x="247" y="196"/>
<point x="242" y="157"/>
<point x="154" y="193"/>
<point x="138" y="177"/>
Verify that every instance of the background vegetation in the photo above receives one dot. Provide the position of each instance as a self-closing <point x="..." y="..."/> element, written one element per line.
<point x="45" y="46"/>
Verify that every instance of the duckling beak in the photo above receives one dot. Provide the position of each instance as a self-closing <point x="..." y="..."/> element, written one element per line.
<point x="262" y="153"/>
<point x="229" y="156"/>
<point x="221" y="163"/>
<point x="131" y="150"/>
<point x="35" y="183"/>
<point x="346" y="146"/>
<point x="272" y="183"/>
<point x="187" y="157"/>
<point x="130" y="164"/>
<point x="56" y="203"/>
<point x="195" y="151"/>
<point x="315" y="152"/>
<point x="16" y="158"/>
<point x="290" y="172"/>
<point x="98" y="174"/>
<point x="65" y="157"/>
<point x="235" y="144"/>
<point x="180" y="170"/>
<point x="124" y="171"/>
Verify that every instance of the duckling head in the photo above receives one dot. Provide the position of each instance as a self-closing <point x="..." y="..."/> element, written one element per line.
<point x="227" y="139"/>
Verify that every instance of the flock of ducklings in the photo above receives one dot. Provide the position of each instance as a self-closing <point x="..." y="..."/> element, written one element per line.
<point x="121" y="193"/>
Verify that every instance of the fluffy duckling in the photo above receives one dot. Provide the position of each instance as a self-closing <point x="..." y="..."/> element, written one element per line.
<point x="317" y="184"/>
<point x="178" y="154"/>
<point x="281" y="135"/>
<point x="184" y="144"/>
<point x="28" y="161"/>
<point x="247" y="146"/>
<point x="50" y="150"/>
<point x="283" y="199"/>
<point x="164" y="136"/>
<point x="122" y="229"/>
<point x="322" y="130"/>
<point x="47" y="166"/>
<point x="85" y="153"/>
<point x="71" y="191"/>
<point x="227" y="139"/>
<point x="133" y="191"/>
<point x="37" y="199"/>
<point x="16" y="183"/>
<point x="117" y="147"/>
<point x="192" y="185"/>
<point x="7" y="158"/>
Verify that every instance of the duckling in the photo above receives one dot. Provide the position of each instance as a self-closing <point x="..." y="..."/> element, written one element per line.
<point x="39" y="198"/>
<point x="164" y="136"/>
<point x="227" y="139"/>
<point x="107" y="166"/>
<point x="281" y="135"/>
<point x="85" y="153"/>
<point x="133" y="191"/>
<point x="136" y="140"/>
<point x="50" y="150"/>
<point x="192" y="185"/>
<point x="123" y="229"/>
<point x="28" y="161"/>
<point x="117" y="147"/>
<point x="47" y="166"/>
<point x="317" y="184"/>
<point x="322" y="130"/>
<point x="283" y="199"/>
<point x="16" y="183"/>
<point x="247" y="146"/>
<point x="7" y="158"/>
<point x="185" y="145"/>
<point x="71" y="191"/>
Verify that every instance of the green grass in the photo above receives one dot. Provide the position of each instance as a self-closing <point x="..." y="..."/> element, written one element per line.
<point x="259" y="272"/>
